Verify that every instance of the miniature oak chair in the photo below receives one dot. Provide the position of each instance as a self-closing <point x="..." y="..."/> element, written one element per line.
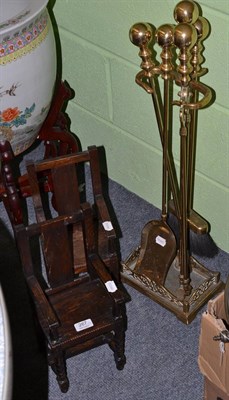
<point x="70" y="264"/>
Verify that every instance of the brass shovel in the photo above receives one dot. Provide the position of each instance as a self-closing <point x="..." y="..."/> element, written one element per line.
<point x="158" y="242"/>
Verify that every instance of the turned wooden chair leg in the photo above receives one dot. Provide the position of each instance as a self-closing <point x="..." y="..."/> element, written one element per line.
<point x="118" y="347"/>
<point x="58" y="364"/>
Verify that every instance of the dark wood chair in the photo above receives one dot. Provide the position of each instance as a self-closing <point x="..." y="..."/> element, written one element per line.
<point x="70" y="262"/>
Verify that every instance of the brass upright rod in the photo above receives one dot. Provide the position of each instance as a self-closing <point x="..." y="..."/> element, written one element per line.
<point x="164" y="36"/>
<point x="184" y="256"/>
<point x="141" y="35"/>
<point x="185" y="37"/>
<point x="202" y="28"/>
<point x="165" y="150"/>
<point x="157" y="103"/>
<point x="158" y="112"/>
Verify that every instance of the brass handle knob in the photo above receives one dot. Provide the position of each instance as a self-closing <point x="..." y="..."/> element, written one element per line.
<point x="202" y="28"/>
<point x="185" y="37"/>
<point x="186" y="11"/>
<point x="141" y="35"/>
<point x="165" y="37"/>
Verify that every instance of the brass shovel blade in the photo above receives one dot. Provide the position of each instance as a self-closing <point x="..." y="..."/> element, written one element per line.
<point x="158" y="250"/>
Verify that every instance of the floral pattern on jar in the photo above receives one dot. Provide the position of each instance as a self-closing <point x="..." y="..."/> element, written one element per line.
<point x="27" y="40"/>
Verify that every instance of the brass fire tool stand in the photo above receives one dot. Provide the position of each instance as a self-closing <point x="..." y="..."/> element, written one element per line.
<point x="161" y="268"/>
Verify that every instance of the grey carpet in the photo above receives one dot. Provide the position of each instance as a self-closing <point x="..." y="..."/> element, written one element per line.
<point x="161" y="351"/>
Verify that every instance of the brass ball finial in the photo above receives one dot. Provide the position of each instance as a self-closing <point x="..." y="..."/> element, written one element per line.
<point x="185" y="36"/>
<point x="140" y="34"/>
<point x="186" y="11"/>
<point x="164" y="35"/>
<point x="202" y="27"/>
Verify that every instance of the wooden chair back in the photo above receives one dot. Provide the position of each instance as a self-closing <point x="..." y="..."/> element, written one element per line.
<point x="62" y="177"/>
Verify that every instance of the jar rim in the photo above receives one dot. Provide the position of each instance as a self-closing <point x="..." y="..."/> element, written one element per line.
<point x="24" y="11"/>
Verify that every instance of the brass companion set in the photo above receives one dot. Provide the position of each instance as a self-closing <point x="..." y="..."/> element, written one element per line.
<point x="162" y="266"/>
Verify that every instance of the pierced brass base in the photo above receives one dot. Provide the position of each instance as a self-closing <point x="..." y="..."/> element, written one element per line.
<point x="205" y="284"/>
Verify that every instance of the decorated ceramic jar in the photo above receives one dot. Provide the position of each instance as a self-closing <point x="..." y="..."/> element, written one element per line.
<point x="27" y="70"/>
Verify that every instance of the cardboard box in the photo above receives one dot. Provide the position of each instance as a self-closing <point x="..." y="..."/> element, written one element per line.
<point x="213" y="357"/>
<point x="212" y="392"/>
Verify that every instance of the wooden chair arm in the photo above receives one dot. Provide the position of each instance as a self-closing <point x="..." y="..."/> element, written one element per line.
<point x="104" y="217"/>
<point x="104" y="275"/>
<point x="47" y="317"/>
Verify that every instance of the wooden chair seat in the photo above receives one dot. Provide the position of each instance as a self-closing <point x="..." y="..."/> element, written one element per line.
<point x="83" y="308"/>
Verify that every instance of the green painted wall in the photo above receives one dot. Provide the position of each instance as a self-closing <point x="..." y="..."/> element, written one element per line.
<point x="109" y="109"/>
